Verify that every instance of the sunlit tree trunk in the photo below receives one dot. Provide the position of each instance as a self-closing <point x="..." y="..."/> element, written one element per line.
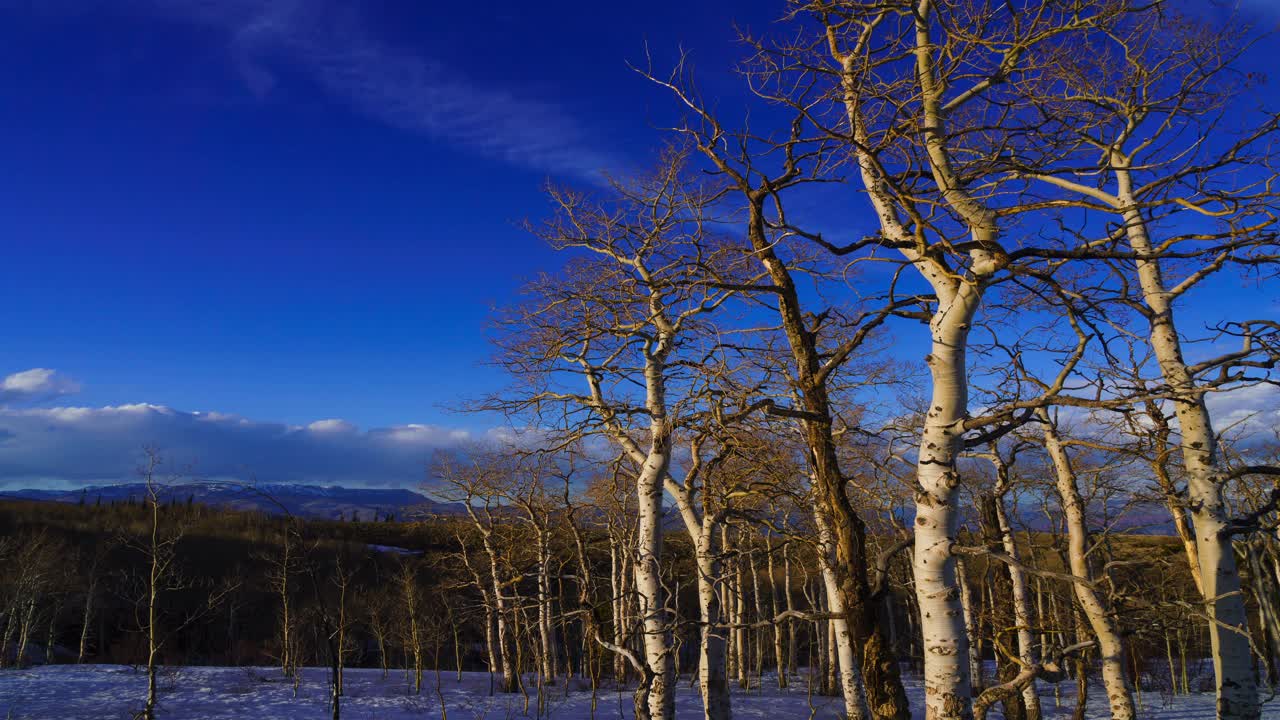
<point x="1236" y="688"/>
<point x="1099" y="616"/>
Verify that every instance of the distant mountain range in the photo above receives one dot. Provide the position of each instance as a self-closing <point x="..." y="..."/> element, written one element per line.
<point x="333" y="502"/>
<point x="309" y="501"/>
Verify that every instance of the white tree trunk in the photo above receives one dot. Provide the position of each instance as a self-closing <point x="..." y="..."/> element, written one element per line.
<point x="970" y="622"/>
<point x="946" y="646"/>
<point x="850" y="672"/>
<point x="1237" y="690"/>
<point x="653" y="614"/>
<point x="792" y="645"/>
<point x="545" y="631"/>
<point x="778" y="650"/>
<point x="1021" y="609"/>
<point x="1110" y="647"/>
<point x="740" y="638"/>
<point x="617" y="584"/>
<point x="505" y="661"/>
<point x="713" y="677"/>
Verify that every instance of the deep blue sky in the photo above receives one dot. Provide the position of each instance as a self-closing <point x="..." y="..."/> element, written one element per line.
<point x="298" y="210"/>
<point x="287" y="211"/>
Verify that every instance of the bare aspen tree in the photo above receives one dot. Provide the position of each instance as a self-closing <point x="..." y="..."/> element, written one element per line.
<point x="703" y="509"/>
<point x="1138" y="107"/>
<point x="93" y="575"/>
<point x="410" y="597"/>
<point x="157" y="543"/>
<point x="526" y="490"/>
<point x="772" y="549"/>
<point x="971" y="620"/>
<point x="905" y="114"/>
<point x="1154" y="433"/>
<point x="36" y="562"/>
<point x="332" y="614"/>
<point x="378" y="614"/>
<point x="608" y="495"/>
<point x="475" y="482"/>
<point x="819" y="346"/>
<point x="618" y="316"/>
<point x="343" y="581"/>
<point x="282" y="567"/>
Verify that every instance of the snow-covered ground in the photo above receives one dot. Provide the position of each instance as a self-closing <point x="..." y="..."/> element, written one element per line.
<point x="113" y="692"/>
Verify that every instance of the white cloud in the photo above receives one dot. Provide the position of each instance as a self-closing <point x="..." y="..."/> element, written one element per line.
<point x="35" y="385"/>
<point x="84" y="445"/>
<point x="332" y="425"/>
<point x="1249" y="413"/>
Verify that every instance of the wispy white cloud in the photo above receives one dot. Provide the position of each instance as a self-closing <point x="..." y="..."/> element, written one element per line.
<point x="328" y="41"/>
<point x="35" y="385"/>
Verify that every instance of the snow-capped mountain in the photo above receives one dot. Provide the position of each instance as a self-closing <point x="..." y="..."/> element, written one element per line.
<point x="311" y="501"/>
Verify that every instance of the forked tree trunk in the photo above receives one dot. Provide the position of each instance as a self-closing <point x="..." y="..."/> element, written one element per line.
<point x="1161" y="433"/>
<point x="945" y="642"/>
<point x="879" y="668"/>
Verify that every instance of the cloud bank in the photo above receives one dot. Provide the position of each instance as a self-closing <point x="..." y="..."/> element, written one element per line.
<point x="70" y="446"/>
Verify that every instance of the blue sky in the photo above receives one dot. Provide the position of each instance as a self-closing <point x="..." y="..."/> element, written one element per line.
<point x="292" y="210"/>
<point x="288" y="211"/>
<point x="279" y="212"/>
